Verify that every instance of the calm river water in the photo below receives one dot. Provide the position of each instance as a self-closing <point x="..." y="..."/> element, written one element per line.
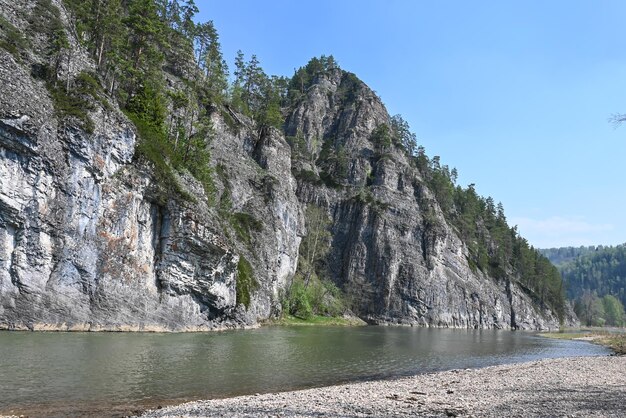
<point x="85" y="373"/>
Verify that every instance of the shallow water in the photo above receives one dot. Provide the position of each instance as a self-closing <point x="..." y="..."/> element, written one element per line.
<point x="85" y="373"/>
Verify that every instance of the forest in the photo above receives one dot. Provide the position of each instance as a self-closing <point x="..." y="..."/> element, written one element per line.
<point x="595" y="278"/>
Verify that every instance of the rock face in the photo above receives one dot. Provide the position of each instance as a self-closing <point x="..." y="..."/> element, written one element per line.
<point x="85" y="242"/>
<point x="393" y="250"/>
<point x="89" y="240"/>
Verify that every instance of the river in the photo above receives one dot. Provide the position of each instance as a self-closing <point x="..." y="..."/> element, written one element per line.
<point x="69" y="374"/>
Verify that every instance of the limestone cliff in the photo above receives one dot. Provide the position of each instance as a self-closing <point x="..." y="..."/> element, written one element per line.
<point x="393" y="250"/>
<point x="90" y="240"/>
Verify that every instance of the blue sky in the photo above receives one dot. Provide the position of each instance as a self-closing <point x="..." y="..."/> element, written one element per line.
<point x="515" y="94"/>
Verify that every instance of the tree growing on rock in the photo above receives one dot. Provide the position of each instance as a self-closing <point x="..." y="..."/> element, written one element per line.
<point x="256" y="94"/>
<point x="309" y="293"/>
<point x="316" y="244"/>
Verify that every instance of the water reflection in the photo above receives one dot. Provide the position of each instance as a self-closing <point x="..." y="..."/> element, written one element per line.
<point x="93" y="368"/>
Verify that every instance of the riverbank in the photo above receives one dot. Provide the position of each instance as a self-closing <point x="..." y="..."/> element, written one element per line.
<point x="579" y="386"/>
<point x="316" y="320"/>
<point x="615" y="340"/>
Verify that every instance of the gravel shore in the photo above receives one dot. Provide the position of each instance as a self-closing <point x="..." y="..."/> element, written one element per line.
<point x="581" y="387"/>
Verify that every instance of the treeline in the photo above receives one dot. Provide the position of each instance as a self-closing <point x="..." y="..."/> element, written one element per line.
<point x="560" y="256"/>
<point x="600" y="270"/>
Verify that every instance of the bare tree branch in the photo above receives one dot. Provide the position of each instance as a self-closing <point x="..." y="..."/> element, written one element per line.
<point x="617" y="119"/>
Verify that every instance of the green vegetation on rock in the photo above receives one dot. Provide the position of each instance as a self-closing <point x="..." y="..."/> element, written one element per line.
<point x="304" y="77"/>
<point x="166" y="72"/>
<point x="257" y="95"/>
<point x="246" y="283"/>
<point x="11" y="39"/>
<point x="73" y="97"/>
<point x="132" y="42"/>
<point x="74" y="104"/>
<point x="244" y="224"/>
<point x="495" y="248"/>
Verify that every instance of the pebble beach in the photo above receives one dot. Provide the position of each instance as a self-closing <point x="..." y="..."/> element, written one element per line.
<point x="573" y="387"/>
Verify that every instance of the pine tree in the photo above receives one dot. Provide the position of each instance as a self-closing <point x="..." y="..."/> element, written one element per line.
<point x="257" y="95"/>
<point x="210" y="60"/>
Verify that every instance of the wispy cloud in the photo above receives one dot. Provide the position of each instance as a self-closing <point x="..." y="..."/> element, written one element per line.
<point x="558" y="231"/>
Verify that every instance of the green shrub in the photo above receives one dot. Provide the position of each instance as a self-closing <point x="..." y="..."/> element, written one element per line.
<point x="44" y="16"/>
<point x="300" y="301"/>
<point x="220" y="169"/>
<point x="329" y="181"/>
<point x="364" y="196"/>
<point x="72" y="104"/>
<point x="349" y="88"/>
<point x="298" y="146"/>
<point x="320" y="297"/>
<point x="76" y="102"/>
<point x="11" y="39"/>
<point x="233" y="124"/>
<point x="307" y="176"/>
<point x="225" y="204"/>
<point x="87" y="84"/>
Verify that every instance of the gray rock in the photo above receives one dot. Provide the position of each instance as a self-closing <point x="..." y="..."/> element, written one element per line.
<point x="397" y="264"/>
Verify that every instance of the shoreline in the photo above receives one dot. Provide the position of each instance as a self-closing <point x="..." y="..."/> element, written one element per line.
<point x="613" y="339"/>
<point x="574" y="386"/>
<point x="280" y="322"/>
<point x="133" y="328"/>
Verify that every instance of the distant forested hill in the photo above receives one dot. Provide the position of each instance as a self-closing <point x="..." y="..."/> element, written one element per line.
<point x="591" y="270"/>
<point x="563" y="255"/>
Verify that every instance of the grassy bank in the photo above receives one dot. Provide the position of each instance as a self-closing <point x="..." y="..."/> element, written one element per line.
<point x="616" y="341"/>
<point x="316" y="320"/>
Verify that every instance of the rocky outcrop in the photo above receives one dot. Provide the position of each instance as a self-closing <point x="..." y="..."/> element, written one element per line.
<point x="254" y="181"/>
<point x="89" y="240"/>
<point x="393" y="251"/>
<point x="85" y="243"/>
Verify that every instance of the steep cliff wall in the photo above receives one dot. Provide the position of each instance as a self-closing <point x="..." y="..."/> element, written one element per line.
<point x="393" y="251"/>
<point x="90" y="240"/>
